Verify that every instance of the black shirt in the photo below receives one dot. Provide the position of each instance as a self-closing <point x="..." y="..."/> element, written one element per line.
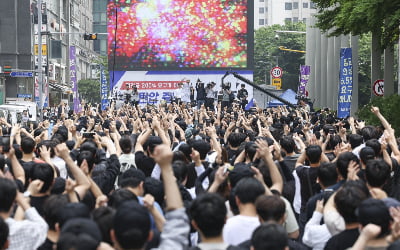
<point x="37" y="202"/>
<point x="343" y="240"/>
<point x="47" y="245"/>
<point x="308" y="183"/>
<point x="144" y="163"/>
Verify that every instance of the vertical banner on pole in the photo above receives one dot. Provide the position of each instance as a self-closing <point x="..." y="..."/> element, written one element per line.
<point x="304" y="77"/>
<point x="346" y="83"/>
<point x="74" y="83"/>
<point x="103" y="88"/>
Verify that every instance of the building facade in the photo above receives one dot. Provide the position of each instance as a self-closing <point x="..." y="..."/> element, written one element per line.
<point x="65" y="22"/>
<point x="270" y="12"/>
<point x="100" y="26"/>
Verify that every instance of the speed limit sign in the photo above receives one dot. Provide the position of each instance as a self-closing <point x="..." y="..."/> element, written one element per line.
<point x="276" y="72"/>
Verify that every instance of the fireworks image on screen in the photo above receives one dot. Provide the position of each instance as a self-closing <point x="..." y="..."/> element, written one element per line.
<point x="171" y="34"/>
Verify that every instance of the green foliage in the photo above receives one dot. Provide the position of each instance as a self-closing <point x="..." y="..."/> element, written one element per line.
<point x="89" y="90"/>
<point x="364" y="69"/>
<point x="267" y="53"/>
<point x="387" y="106"/>
<point x="360" y="17"/>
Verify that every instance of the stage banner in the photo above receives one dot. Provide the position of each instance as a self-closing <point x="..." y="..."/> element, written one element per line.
<point x="346" y="83"/>
<point x="304" y="77"/>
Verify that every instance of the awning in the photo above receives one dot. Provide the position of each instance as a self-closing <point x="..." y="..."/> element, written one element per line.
<point x="59" y="87"/>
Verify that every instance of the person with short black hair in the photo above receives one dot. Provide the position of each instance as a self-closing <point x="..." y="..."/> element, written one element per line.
<point x="240" y="227"/>
<point x="145" y="145"/>
<point x="307" y="176"/>
<point x="132" y="224"/>
<point x="4" y="231"/>
<point x="346" y="200"/>
<point x="79" y="233"/>
<point x="127" y="158"/>
<point x="208" y="214"/>
<point x="269" y="236"/>
<point x="29" y="233"/>
<point x="377" y="173"/>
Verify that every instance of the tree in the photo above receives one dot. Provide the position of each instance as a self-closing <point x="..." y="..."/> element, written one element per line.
<point x="89" y="90"/>
<point x="386" y="106"/>
<point x="364" y="69"/>
<point x="381" y="17"/>
<point x="267" y="53"/>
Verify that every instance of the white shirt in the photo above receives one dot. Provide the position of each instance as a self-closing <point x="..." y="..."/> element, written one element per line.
<point x="60" y="164"/>
<point x="239" y="229"/>
<point x="29" y="233"/>
<point x="127" y="161"/>
<point x="316" y="235"/>
<point x="297" y="193"/>
<point x="334" y="222"/>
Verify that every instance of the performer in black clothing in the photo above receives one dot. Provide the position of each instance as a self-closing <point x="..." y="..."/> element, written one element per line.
<point x="242" y="96"/>
<point x="135" y="96"/>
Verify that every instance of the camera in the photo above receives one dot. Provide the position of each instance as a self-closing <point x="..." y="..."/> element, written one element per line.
<point x="88" y="135"/>
<point x="331" y="131"/>
<point x="226" y="86"/>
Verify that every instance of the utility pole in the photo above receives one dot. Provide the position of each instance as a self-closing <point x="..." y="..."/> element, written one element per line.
<point x="39" y="71"/>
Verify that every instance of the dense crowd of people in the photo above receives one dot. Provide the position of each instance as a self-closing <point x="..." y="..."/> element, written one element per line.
<point x="174" y="176"/>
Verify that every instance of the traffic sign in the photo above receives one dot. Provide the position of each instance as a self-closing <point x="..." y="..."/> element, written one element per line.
<point x="276" y="72"/>
<point x="36" y="49"/>
<point x="21" y="74"/>
<point x="277" y="82"/>
<point x="378" y="87"/>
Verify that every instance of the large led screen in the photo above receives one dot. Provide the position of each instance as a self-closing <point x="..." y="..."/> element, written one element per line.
<point x="180" y="34"/>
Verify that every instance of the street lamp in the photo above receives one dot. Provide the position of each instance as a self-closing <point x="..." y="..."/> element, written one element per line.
<point x="265" y="70"/>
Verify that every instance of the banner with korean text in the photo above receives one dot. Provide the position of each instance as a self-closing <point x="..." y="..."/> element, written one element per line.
<point x="304" y="77"/>
<point x="74" y="83"/>
<point x="103" y="89"/>
<point x="346" y="83"/>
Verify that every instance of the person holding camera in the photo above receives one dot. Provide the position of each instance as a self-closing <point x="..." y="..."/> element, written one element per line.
<point x="242" y="96"/>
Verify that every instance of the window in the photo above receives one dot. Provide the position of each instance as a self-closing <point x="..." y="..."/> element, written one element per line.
<point x="304" y="20"/>
<point x="305" y="5"/>
<point x="261" y="10"/>
<point x="295" y="19"/>
<point x="288" y="19"/>
<point x="261" y="22"/>
<point x="288" y="6"/>
<point x="312" y="5"/>
<point x="295" y="5"/>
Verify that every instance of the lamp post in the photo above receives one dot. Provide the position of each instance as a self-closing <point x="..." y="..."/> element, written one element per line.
<point x="266" y="70"/>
